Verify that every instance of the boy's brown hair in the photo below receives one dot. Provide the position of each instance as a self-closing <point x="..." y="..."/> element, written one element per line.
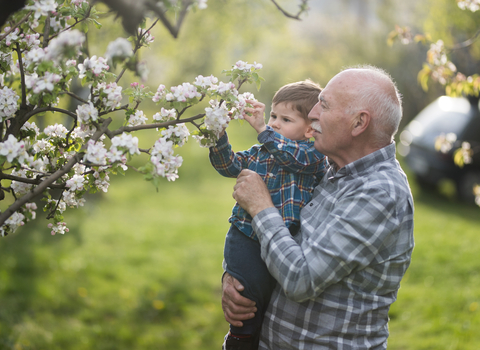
<point x="302" y="96"/>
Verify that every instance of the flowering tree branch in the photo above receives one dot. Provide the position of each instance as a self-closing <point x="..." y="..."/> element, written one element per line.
<point x="78" y="160"/>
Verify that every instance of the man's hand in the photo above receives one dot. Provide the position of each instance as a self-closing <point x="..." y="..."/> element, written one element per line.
<point x="257" y="117"/>
<point x="251" y="193"/>
<point x="236" y="308"/>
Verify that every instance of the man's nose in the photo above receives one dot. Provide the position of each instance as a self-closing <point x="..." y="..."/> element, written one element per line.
<point x="315" y="112"/>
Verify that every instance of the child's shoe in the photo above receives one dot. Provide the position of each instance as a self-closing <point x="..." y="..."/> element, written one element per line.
<point x="232" y="342"/>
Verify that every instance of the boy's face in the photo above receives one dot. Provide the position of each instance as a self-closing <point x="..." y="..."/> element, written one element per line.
<point x="289" y="122"/>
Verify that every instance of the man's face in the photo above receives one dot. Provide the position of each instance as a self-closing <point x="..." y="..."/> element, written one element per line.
<point x="331" y="123"/>
<point x="289" y="122"/>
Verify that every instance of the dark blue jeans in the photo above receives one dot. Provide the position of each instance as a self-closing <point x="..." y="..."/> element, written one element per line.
<point x="242" y="255"/>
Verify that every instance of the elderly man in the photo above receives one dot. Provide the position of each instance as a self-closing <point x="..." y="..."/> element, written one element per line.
<point x="339" y="275"/>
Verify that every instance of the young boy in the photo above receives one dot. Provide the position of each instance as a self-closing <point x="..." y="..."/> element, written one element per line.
<point x="291" y="168"/>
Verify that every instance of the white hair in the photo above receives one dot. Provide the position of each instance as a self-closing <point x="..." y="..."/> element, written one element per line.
<point x="380" y="96"/>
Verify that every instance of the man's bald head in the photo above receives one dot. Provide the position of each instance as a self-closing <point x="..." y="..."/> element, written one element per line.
<point x="372" y="89"/>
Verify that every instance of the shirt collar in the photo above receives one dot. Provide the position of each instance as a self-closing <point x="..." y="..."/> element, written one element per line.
<point x="367" y="163"/>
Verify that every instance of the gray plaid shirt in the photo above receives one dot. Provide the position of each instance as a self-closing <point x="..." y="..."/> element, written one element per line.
<point x="340" y="274"/>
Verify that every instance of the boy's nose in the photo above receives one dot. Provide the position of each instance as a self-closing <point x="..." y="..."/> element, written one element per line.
<point x="275" y="124"/>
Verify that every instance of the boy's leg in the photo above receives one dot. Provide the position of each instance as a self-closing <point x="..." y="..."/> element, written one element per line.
<point x="242" y="256"/>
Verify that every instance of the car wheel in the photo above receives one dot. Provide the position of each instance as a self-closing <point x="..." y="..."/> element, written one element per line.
<point x="465" y="186"/>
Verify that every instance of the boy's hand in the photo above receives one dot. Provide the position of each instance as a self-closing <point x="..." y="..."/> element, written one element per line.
<point x="256" y="119"/>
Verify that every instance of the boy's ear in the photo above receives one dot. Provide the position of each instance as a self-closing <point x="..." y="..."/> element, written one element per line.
<point x="361" y="123"/>
<point x="309" y="132"/>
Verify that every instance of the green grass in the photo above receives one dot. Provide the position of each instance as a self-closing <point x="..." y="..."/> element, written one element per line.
<point x="438" y="302"/>
<point x="140" y="269"/>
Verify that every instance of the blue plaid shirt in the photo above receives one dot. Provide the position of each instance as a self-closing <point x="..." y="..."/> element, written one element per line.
<point x="290" y="169"/>
<point x="339" y="275"/>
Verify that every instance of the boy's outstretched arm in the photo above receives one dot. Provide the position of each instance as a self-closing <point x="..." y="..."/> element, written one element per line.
<point x="257" y="115"/>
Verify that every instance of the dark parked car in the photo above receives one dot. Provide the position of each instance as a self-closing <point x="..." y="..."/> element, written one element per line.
<point x="460" y="116"/>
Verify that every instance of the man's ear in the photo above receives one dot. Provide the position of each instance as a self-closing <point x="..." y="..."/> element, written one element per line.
<point x="361" y="123"/>
<point x="309" y="132"/>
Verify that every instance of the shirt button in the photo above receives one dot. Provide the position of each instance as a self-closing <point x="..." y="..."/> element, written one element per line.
<point x="270" y="174"/>
<point x="311" y="204"/>
<point x="272" y="156"/>
<point x="280" y="146"/>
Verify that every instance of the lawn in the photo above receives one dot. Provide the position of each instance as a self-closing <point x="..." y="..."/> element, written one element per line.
<point x="140" y="269"/>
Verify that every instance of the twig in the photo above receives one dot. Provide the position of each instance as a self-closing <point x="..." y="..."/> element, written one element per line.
<point x="35" y="181"/>
<point x="46" y="32"/>
<point x="122" y="129"/>
<point x="52" y="212"/>
<point x="47" y="109"/>
<point x="22" y="77"/>
<point x="136" y="48"/>
<point x="466" y="43"/>
<point x="74" y="96"/>
<point x="288" y="15"/>
<point x="16" y="25"/>
<point x="38" y="190"/>
<point x="174" y="30"/>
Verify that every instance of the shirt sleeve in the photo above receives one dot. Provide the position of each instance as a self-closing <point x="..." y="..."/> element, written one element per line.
<point x="296" y="156"/>
<point x="348" y="239"/>
<point x="225" y="161"/>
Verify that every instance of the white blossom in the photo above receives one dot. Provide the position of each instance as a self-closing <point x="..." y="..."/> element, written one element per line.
<point x="8" y="103"/>
<point x="42" y="7"/>
<point x="182" y="93"/>
<point x="13" y="149"/>
<point x="165" y="115"/>
<point x="39" y="84"/>
<point x="96" y="153"/>
<point x="65" y="40"/>
<point x="127" y="141"/>
<point x="19" y="187"/>
<point x="147" y="36"/>
<point x="113" y="92"/>
<point x="216" y="117"/>
<point x="75" y="183"/>
<point x="12" y="36"/>
<point x="159" y="94"/>
<point x="166" y="164"/>
<point x="205" y="82"/>
<point x="60" y="227"/>
<point x="201" y="4"/>
<point x="138" y="118"/>
<point x="224" y="88"/>
<point x="179" y="132"/>
<point x="56" y="131"/>
<point x="472" y="5"/>
<point x="101" y="183"/>
<point x="15" y="220"/>
<point x="120" y="47"/>
<point x="87" y="113"/>
<point x="245" y="67"/>
<point x="96" y="65"/>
